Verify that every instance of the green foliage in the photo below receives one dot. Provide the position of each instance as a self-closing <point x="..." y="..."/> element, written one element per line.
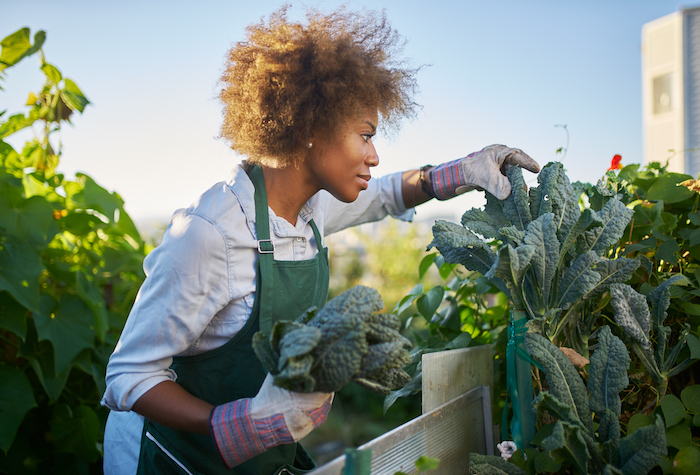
<point x="70" y="266"/>
<point x="344" y="341"/>
<point x="546" y="254"/>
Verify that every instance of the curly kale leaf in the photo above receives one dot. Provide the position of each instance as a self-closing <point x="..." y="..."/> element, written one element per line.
<point x="565" y="383"/>
<point x="660" y="298"/>
<point x="492" y="465"/>
<point x="458" y="245"/>
<point x="516" y="207"/>
<point x="344" y="341"/>
<point x="612" y="271"/>
<point x="542" y="236"/>
<point x="578" y="280"/>
<point x="642" y="450"/>
<point x="631" y="313"/>
<point x="614" y="216"/>
<point x="608" y="376"/>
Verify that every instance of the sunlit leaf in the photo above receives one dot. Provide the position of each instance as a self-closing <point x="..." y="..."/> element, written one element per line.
<point x="17" y="46"/>
<point x="52" y="72"/>
<point x="666" y="188"/>
<point x="73" y="96"/>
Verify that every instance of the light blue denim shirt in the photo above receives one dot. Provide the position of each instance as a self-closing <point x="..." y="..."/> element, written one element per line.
<point x="200" y="287"/>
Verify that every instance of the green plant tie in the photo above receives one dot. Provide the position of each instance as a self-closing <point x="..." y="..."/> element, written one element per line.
<point x="514" y="351"/>
<point x="358" y="462"/>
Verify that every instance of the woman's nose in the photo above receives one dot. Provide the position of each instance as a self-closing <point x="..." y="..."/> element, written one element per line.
<point x="372" y="159"/>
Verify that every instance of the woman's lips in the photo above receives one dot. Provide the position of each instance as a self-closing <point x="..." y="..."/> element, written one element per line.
<point x="364" y="180"/>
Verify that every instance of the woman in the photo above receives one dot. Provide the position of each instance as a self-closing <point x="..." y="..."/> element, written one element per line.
<point x="302" y="103"/>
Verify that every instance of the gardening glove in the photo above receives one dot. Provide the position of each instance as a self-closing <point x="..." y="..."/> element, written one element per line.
<point x="483" y="170"/>
<point x="247" y="427"/>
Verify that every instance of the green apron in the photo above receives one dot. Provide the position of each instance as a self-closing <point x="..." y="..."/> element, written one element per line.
<point x="284" y="289"/>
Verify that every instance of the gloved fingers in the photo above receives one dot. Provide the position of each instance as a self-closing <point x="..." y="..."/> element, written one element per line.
<point x="515" y="156"/>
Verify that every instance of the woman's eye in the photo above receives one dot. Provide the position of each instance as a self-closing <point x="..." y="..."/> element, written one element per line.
<point x="367" y="137"/>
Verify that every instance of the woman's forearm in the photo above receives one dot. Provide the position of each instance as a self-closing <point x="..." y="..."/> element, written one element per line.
<point x="168" y="404"/>
<point x="412" y="189"/>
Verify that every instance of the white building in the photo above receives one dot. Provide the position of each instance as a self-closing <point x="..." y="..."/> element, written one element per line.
<point x="671" y="90"/>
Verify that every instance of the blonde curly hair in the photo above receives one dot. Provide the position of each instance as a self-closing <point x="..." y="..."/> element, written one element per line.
<point x="289" y="81"/>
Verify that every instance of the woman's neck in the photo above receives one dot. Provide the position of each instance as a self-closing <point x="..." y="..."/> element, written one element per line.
<point x="288" y="189"/>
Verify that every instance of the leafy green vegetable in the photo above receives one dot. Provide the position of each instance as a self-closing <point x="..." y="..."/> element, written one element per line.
<point x="344" y="341"/>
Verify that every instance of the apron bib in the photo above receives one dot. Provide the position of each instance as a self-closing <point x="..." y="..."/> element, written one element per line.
<point x="283" y="291"/>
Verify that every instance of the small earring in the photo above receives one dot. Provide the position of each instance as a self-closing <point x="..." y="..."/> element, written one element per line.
<point x="309" y="145"/>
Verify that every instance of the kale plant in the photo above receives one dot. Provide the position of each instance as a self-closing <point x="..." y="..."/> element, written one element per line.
<point x="550" y="257"/>
<point x="572" y="440"/>
<point x="344" y="341"/>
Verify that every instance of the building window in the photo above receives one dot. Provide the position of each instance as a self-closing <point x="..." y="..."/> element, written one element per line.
<point x="662" y="90"/>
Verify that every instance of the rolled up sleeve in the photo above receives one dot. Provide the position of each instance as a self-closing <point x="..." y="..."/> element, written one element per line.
<point x="187" y="283"/>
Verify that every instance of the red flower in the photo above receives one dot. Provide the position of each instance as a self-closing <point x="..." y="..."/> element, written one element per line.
<point x="615" y="163"/>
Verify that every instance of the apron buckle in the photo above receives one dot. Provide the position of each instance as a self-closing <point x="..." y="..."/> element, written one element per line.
<point x="266" y="246"/>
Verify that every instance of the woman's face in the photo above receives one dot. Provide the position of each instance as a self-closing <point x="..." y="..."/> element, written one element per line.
<point x="342" y="166"/>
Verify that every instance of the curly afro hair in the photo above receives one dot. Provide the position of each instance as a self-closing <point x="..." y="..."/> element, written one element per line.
<point x="289" y="82"/>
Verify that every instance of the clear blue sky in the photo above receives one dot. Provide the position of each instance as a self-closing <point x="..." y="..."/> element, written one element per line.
<point x="501" y="72"/>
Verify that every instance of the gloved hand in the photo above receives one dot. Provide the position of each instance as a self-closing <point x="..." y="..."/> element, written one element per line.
<point x="479" y="170"/>
<point x="246" y="427"/>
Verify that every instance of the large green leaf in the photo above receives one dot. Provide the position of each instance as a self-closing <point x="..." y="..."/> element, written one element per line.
<point x="690" y="397"/>
<point x="93" y="196"/>
<point x="76" y="431"/>
<point x="545" y="401"/>
<point x="578" y="279"/>
<point x="13" y="316"/>
<point x="631" y="313"/>
<point x="479" y="221"/>
<point x="614" y="216"/>
<point x="542" y="236"/>
<point x="68" y="325"/>
<point x="660" y="298"/>
<point x="673" y="410"/>
<point x="612" y="271"/>
<point x="642" y="451"/>
<point x="460" y="246"/>
<point x="41" y="358"/>
<point x="22" y="281"/>
<point x="29" y="219"/>
<point x="516" y="207"/>
<point x="16" y="399"/>
<point x="587" y="220"/>
<point x="564" y="381"/>
<point x="666" y="188"/>
<point x="608" y="373"/>
<point x="567" y="443"/>
<point x="510" y="267"/>
<point x="91" y="295"/>
<point x="18" y="45"/>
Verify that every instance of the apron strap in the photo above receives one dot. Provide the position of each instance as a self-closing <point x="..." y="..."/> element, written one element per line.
<point x="266" y="250"/>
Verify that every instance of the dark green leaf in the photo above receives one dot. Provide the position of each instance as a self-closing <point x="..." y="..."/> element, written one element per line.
<point x="69" y="326"/>
<point x="679" y="436"/>
<point x="693" y="346"/>
<point x="542" y="236"/>
<point x="608" y="373"/>
<point x="641" y="451"/>
<point x="429" y="303"/>
<point x="668" y="252"/>
<point x="637" y="421"/>
<point x="41" y="358"/>
<point x="695" y="237"/>
<point x="21" y="281"/>
<point x="673" y="410"/>
<point x="660" y="298"/>
<point x="16" y="399"/>
<point x="614" y="216"/>
<point x="76" y="431"/>
<point x="91" y="295"/>
<point x="408" y="300"/>
<point x="567" y="443"/>
<point x="578" y="280"/>
<point x="30" y="220"/>
<point x="690" y="397"/>
<point x="516" y="207"/>
<point x="666" y="188"/>
<point x="13" y="316"/>
<point x="631" y="313"/>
